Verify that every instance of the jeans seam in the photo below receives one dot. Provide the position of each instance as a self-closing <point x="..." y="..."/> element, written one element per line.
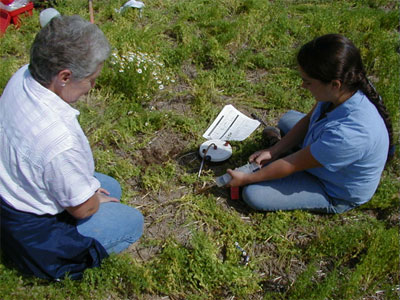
<point x="118" y="241"/>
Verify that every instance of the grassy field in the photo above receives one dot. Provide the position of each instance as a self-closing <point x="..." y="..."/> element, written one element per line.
<point x="173" y="68"/>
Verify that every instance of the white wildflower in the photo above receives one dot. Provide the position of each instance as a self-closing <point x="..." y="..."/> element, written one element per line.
<point x="161" y="87"/>
<point x="139" y="71"/>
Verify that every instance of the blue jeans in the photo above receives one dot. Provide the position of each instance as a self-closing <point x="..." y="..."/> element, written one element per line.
<point x="115" y="225"/>
<point x="300" y="190"/>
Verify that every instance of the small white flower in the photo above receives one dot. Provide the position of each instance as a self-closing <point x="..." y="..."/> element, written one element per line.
<point x="121" y="70"/>
<point x="159" y="81"/>
<point x="139" y="71"/>
<point x="146" y="124"/>
<point x="161" y="87"/>
<point x="172" y="80"/>
<point x="154" y="74"/>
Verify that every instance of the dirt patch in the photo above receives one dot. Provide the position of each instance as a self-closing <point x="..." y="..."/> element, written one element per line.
<point x="179" y="104"/>
<point x="256" y="76"/>
<point x="165" y="145"/>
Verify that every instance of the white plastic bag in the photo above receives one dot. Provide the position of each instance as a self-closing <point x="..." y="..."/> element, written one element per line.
<point x="46" y="15"/>
<point x="133" y="4"/>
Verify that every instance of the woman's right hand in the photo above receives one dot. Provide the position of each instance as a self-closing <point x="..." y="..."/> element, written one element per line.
<point x="90" y="206"/>
<point x="104" y="196"/>
<point x="261" y="157"/>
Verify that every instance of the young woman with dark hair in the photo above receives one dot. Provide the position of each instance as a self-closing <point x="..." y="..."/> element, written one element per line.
<point x="344" y="140"/>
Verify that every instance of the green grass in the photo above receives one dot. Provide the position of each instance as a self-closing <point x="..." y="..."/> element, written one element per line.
<point x="206" y="54"/>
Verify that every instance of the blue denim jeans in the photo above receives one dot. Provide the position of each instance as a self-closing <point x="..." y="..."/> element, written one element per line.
<point x="300" y="190"/>
<point x="114" y="225"/>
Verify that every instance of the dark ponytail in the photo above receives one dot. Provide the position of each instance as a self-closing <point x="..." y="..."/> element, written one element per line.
<point x="369" y="90"/>
<point x="334" y="57"/>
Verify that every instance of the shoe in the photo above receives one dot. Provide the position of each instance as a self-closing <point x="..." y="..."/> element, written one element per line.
<point x="271" y="135"/>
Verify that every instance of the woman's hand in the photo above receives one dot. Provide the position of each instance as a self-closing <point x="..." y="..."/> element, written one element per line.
<point x="90" y="206"/>
<point x="103" y="196"/>
<point x="238" y="178"/>
<point x="261" y="157"/>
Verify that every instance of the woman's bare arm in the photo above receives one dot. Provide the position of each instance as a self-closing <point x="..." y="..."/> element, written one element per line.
<point x="90" y="206"/>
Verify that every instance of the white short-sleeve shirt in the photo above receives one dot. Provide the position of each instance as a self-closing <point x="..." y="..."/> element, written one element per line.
<point x="46" y="163"/>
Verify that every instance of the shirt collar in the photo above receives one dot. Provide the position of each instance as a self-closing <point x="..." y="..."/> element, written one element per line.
<point x="48" y="97"/>
<point x="347" y="107"/>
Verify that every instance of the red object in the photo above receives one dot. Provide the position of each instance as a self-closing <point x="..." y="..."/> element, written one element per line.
<point x="8" y="17"/>
<point x="7" y="2"/>
<point x="235" y="193"/>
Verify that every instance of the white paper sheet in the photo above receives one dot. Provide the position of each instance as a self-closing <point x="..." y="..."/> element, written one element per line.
<point x="231" y="125"/>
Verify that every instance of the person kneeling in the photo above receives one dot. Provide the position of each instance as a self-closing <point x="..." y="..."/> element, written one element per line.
<point x="344" y="140"/>
<point x="58" y="217"/>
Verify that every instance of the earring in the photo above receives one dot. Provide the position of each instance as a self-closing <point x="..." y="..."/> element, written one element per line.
<point x="62" y="84"/>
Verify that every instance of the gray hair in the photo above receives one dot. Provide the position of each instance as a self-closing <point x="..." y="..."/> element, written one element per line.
<point x="67" y="42"/>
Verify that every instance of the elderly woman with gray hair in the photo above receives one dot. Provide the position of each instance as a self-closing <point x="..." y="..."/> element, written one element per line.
<point x="58" y="216"/>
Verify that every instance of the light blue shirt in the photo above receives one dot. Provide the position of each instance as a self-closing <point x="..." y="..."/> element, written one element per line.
<point x="351" y="143"/>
